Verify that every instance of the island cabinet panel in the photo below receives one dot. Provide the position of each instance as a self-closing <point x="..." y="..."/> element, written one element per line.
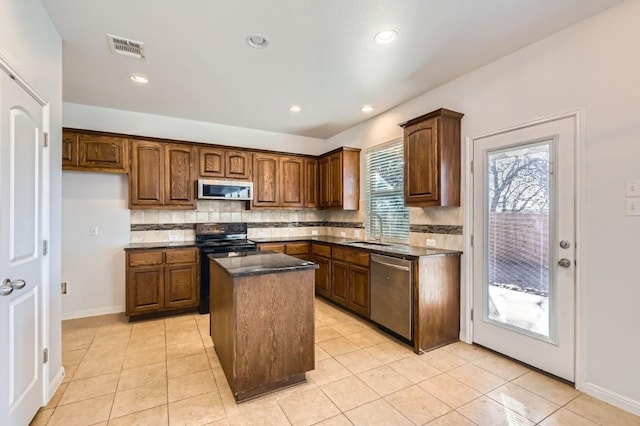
<point x="162" y="176"/>
<point x="262" y="327"/>
<point x="292" y="182"/>
<point x="311" y="184"/>
<point x="162" y="280"/>
<point x="437" y="302"/>
<point x="432" y="159"/>
<point x="266" y="180"/>
<point x="90" y="151"/>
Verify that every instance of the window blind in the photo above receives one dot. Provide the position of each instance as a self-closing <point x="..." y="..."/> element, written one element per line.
<point x="385" y="192"/>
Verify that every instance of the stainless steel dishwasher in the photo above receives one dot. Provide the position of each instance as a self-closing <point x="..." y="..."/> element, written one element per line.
<point x="392" y="294"/>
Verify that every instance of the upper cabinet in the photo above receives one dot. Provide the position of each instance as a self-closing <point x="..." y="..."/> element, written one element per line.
<point x="279" y="181"/>
<point x="162" y="175"/>
<point x="432" y="160"/>
<point x="311" y="184"/>
<point x="94" y="152"/>
<point x="339" y="178"/>
<point x="224" y="163"/>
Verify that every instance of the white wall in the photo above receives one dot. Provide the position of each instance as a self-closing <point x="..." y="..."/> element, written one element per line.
<point x="593" y="66"/>
<point x="29" y="41"/>
<point x="94" y="266"/>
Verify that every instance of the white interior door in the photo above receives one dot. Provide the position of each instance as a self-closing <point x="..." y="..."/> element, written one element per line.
<point x="21" y="363"/>
<point x="524" y="245"/>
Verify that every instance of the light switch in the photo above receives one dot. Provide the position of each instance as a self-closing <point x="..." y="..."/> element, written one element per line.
<point x="93" y="231"/>
<point x="633" y="188"/>
<point x="633" y="206"/>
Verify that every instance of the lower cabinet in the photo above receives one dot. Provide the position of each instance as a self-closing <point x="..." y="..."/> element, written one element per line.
<point x="161" y="280"/>
<point x="350" y="279"/>
<point x="295" y="249"/>
<point x="321" y="255"/>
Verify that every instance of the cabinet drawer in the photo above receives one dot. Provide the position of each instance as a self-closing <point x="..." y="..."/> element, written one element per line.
<point x="297" y="248"/>
<point x="144" y="258"/>
<point x="181" y="256"/>
<point x="351" y="256"/>
<point x="279" y="247"/>
<point x="321" y="250"/>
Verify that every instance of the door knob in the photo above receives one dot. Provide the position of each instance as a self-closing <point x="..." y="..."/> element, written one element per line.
<point x="565" y="263"/>
<point x="18" y="284"/>
<point x="6" y="288"/>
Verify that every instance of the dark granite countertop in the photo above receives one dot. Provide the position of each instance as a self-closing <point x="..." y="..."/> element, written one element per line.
<point x="261" y="262"/>
<point x="160" y="245"/>
<point x="395" y="250"/>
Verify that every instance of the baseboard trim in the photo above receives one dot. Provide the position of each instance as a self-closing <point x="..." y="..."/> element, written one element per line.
<point x="612" y="398"/>
<point x="55" y="383"/>
<point x="92" y="312"/>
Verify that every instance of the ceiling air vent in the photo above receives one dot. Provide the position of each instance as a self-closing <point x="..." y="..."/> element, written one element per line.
<point x="125" y="47"/>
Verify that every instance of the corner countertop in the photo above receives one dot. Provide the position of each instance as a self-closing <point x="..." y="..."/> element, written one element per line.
<point x="160" y="245"/>
<point x="261" y="262"/>
<point x="395" y="250"/>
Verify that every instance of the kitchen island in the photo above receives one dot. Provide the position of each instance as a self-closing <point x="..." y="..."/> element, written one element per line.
<point x="262" y="320"/>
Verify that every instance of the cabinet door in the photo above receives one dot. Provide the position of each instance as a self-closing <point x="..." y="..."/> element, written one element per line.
<point x="146" y="180"/>
<point x="265" y="184"/>
<point x="181" y="286"/>
<point x="145" y="289"/>
<point x="238" y="164"/>
<point x="179" y="177"/>
<point x="340" y="282"/>
<point x="69" y="150"/>
<point x="336" y="180"/>
<point x="324" y="172"/>
<point x="212" y="162"/>
<point x="279" y="247"/>
<point x="323" y="276"/>
<point x="291" y="182"/>
<point x="421" y="160"/>
<point x="359" y="289"/>
<point x="311" y="183"/>
<point x="103" y="153"/>
<point x="299" y="250"/>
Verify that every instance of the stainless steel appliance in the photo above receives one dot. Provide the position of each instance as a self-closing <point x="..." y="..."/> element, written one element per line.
<point x="216" y="189"/>
<point x="392" y="294"/>
<point x="219" y="240"/>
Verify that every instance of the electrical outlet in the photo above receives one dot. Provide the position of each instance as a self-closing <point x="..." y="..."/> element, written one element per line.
<point x="63" y="288"/>
<point x="173" y="237"/>
<point x="356" y="233"/>
<point x="431" y="242"/>
<point x="314" y="232"/>
<point x="633" y="188"/>
<point x="343" y="234"/>
<point x="93" y="231"/>
<point x="262" y="234"/>
<point x="633" y="206"/>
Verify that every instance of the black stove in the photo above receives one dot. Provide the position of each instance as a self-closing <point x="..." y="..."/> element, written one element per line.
<point x="219" y="240"/>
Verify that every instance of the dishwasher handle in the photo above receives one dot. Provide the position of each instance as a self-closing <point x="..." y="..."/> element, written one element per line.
<point x="402" y="268"/>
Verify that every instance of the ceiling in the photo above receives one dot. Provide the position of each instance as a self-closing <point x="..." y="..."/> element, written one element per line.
<point x="321" y="54"/>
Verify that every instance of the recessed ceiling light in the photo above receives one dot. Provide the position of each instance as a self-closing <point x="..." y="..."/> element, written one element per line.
<point x="366" y="108"/>
<point x="139" y="78"/>
<point x="256" y="41"/>
<point x="295" y="108"/>
<point x="385" y="36"/>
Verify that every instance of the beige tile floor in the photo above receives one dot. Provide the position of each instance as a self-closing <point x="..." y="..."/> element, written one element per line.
<point x="165" y="371"/>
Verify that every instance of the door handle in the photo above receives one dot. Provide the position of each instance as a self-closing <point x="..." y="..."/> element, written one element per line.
<point x="8" y="286"/>
<point x="565" y="263"/>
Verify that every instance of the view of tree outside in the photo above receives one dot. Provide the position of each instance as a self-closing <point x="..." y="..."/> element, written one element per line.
<point x="518" y="181"/>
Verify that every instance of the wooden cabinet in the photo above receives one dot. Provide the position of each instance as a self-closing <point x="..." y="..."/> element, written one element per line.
<point x="94" y="152"/>
<point x="279" y="181"/>
<point x="321" y="255"/>
<point x="224" y="164"/>
<point x="311" y="183"/>
<point x="339" y="178"/>
<point x="432" y="159"/>
<point x="350" y="279"/>
<point x="295" y="249"/>
<point x="162" y="176"/>
<point x="160" y="280"/>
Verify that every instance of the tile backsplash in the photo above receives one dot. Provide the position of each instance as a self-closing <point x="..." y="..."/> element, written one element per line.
<point x="443" y="225"/>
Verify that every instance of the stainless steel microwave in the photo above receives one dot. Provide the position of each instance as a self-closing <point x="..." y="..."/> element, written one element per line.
<point x="216" y="189"/>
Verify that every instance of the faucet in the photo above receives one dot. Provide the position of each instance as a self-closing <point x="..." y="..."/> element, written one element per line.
<point x="380" y="233"/>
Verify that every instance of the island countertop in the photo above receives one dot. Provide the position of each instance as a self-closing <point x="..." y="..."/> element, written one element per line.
<point x="261" y="262"/>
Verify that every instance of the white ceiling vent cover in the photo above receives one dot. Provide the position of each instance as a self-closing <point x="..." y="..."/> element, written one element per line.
<point x="122" y="46"/>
